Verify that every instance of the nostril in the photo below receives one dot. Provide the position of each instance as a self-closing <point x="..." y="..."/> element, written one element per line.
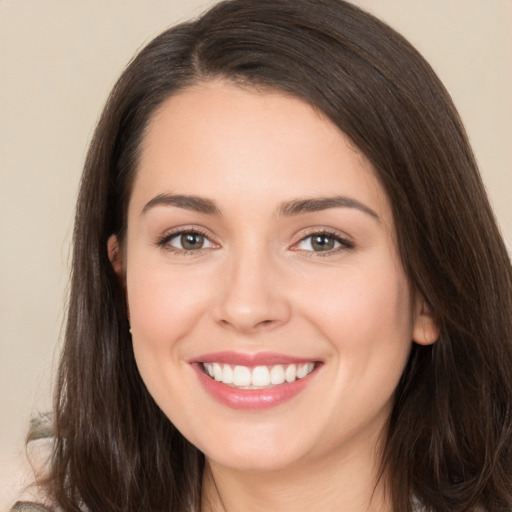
<point x="249" y="324"/>
<point x="247" y="303"/>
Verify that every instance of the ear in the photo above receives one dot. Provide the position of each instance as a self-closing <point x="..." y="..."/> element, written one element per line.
<point x="426" y="331"/>
<point x="116" y="257"/>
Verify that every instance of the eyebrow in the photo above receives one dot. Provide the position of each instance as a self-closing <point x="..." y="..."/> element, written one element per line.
<point x="301" y="206"/>
<point x="286" y="209"/>
<point x="193" y="203"/>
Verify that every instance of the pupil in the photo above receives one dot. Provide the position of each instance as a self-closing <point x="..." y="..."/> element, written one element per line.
<point x="322" y="243"/>
<point x="192" y="241"/>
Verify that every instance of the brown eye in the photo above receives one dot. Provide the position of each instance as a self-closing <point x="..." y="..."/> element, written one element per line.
<point x="192" y="241"/>
<point x="187" y="241"/>
<point x="322" y="242"/>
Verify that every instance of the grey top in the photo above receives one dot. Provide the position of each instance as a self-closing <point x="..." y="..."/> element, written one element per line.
<point x="25" y="506"/>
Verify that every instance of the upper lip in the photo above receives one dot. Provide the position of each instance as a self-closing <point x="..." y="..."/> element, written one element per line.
<point x="250" y="359"/>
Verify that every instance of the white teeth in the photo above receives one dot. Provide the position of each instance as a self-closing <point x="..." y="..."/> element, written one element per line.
<point x="217" y="372"/>
<point x="258" y="376"/>
<point x="277" y="374"/>
<point x="227" y="374"/>
<point x="209" y="368"/>
<point x="304" y="369"/>
<point x="241" y="376"/>
<point x="291" y="373"/>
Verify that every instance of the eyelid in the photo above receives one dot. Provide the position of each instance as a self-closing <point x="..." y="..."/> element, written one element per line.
<point x="345" y="241"/>
<point x="163" y="240"/>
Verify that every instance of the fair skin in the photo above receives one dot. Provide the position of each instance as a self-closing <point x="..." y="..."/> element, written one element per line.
<point x="269" y="268"/>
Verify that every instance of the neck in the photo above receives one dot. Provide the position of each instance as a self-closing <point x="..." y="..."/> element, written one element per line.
<point x="330" y="483"/>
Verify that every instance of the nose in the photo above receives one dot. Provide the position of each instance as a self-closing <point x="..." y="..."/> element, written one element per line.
<point x="252" y="297"/>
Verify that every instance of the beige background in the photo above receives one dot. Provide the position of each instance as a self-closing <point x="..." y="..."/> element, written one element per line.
<point x="58" y="60"/>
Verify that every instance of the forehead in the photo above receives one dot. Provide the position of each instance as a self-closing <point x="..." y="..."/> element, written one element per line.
<point x="253" y="143"/>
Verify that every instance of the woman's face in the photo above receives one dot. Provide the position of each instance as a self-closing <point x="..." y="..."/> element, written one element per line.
<point x="270" y="313"/>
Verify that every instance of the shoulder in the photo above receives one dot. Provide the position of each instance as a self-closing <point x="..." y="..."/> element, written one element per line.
<point x="29" y="496"/>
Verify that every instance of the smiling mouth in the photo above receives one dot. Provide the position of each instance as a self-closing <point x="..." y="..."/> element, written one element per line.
<point x="257" y="377"/>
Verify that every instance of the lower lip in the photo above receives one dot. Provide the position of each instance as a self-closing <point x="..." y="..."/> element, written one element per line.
<point x="251" y="399"/>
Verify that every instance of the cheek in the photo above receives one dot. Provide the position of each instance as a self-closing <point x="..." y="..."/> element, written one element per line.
<point x="368" y="319"/>
<point x="164" y="308"/>
<point x="358" y="302"/>
<point x="366" y="315"/>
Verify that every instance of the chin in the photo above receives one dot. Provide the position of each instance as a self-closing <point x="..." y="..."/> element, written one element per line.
<point x="255" y="452"/>
<point x="255" y="460"/>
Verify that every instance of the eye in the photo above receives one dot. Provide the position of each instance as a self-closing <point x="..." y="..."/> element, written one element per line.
<point x="323" y="242"/>
<point x="186" y="241"/>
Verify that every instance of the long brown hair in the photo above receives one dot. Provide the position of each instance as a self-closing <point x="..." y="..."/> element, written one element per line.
<point x="448" y="444"/>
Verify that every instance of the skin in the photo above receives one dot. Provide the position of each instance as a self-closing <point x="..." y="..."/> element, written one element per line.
<point x="258" y="285"/>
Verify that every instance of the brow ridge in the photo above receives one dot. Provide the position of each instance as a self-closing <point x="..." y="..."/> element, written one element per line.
<point x="311" y="205"/>
<point x="286" y="209"/>
<point x="187" y="202"/>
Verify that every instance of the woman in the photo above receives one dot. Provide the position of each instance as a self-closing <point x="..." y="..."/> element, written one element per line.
<point x="288" y="290"/>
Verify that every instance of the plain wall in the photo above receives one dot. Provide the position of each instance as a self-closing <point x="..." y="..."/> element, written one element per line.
<point x="58" y="61"/>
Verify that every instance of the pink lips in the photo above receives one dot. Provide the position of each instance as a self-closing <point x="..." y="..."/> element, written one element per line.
<point x="250" y="399"/>
<point x="236" y="358"/>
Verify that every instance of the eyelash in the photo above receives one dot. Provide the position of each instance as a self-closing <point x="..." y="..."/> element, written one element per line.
<point x="345" y="244"/>
<point x="163" y="242"/>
